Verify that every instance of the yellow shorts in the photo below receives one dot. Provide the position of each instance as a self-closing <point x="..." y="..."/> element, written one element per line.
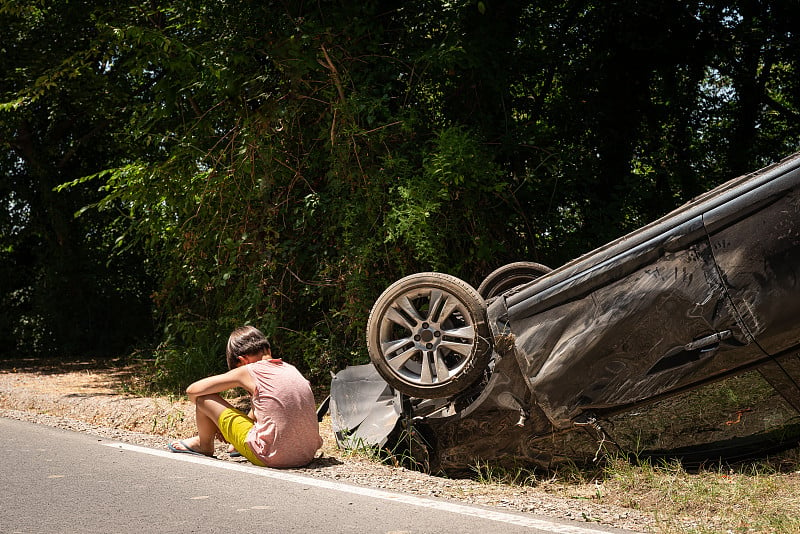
<point x="234" y="426"/>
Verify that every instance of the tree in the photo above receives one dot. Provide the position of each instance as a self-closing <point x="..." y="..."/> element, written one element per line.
<point x="65" y="290"/>
<point x="280" y="163"/>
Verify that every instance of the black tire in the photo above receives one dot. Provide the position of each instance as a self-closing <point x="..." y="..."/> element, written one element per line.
<point x="427" y="335"/>
<point x="509" y="276"/>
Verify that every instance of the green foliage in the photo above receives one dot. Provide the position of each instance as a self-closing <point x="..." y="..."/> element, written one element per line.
<point x="487" y="473"/>
<point x="279" y="164"/>
<point x="64" y="289"/>
<point x="443" y="200"/>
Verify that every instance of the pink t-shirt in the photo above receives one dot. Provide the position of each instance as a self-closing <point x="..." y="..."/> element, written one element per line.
<point x="286" y="432"/>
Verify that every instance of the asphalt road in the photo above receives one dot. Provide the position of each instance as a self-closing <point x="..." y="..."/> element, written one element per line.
<point x="57" y="481"/>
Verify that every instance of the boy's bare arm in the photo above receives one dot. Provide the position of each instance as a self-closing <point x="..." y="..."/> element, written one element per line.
<point x="239" y="377"/>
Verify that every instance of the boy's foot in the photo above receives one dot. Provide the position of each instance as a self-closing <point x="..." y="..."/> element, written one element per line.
<point x="182" y="446"/>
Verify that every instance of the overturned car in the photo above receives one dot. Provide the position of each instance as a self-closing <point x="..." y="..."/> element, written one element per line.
<point x="681" y="338"/>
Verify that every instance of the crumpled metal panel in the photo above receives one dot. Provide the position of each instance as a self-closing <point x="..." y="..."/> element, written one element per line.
<point x="629" y="341"/>
<point x="501" y="423"/>
<point x="364" y="409"/>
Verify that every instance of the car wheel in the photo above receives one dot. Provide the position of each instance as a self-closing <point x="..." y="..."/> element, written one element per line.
<point x="427" y="335"/>
<point x="511" y="275"/>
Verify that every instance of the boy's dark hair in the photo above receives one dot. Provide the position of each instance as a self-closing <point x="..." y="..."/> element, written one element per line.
<point x="243" y="341"/>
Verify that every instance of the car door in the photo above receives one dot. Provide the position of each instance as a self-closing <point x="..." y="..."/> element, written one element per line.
<point x="651" y="320"/>
<point x="755" y="240"/>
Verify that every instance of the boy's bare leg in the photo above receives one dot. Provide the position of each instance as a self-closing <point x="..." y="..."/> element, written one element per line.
<point x="207" y="411"/>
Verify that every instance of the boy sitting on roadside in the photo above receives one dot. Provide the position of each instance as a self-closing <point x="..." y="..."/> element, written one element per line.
<point x="285" y="432"/>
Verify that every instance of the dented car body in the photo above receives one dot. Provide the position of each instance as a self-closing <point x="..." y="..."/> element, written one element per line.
<point x="621" y="343"/>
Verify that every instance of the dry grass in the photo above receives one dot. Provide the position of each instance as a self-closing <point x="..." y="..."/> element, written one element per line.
<point x="749" y="498"/>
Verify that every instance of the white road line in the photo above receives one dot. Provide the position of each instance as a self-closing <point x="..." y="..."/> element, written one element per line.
<point x="513" y="519"/>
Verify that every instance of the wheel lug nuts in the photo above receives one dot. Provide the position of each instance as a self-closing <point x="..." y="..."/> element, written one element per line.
<point x="425" y="325"/>
<point x="437" y="334"/>
<point x="429" y="346"/>
<point x="417" y="337"/>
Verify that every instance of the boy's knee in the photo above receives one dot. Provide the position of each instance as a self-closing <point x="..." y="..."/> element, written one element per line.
<point x="205" y="401"/>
